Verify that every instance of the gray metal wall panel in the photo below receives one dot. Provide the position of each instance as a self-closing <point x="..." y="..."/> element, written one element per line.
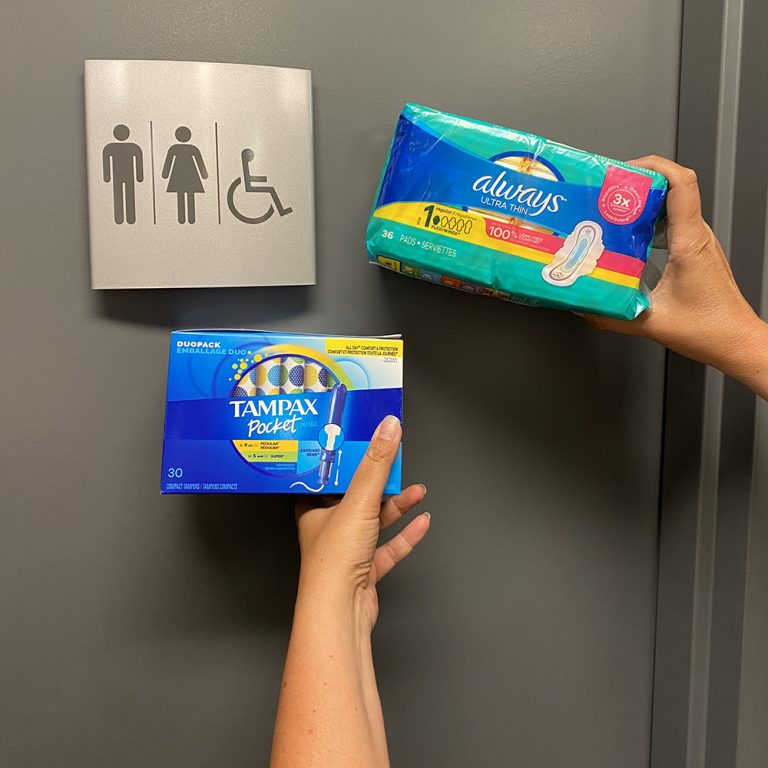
<point x="681" y="664"/>
<point x="709" y="699"/>
<point x="752" y="737"/>
<point x="150" y="631"/>
<point x="752" y="741"/>
<point x="738" y="412"/>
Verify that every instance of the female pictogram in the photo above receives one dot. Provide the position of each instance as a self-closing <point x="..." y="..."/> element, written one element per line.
<point x="185" y="170"/>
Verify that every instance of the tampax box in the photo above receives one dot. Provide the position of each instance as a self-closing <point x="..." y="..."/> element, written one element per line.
<point x="263" y="412"/>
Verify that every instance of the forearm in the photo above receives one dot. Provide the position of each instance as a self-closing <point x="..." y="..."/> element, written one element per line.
<point x="329" y="713"/>
<point x="746" y="359"/>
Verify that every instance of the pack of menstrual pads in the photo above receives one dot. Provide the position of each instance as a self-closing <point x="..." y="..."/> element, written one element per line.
<point x="504" y="213"/>
<point x="263" y="412"/>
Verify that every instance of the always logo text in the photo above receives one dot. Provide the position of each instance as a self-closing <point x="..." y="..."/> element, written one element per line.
<point x="516" y="198"/>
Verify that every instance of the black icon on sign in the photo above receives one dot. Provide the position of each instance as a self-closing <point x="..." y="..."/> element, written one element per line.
<point x="123" y="166"/>
<point x="253" y="183"/>
<point x="185" y="170"/>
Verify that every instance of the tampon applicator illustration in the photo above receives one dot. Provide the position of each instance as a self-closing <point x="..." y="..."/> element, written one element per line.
<point x="332" y="431"/>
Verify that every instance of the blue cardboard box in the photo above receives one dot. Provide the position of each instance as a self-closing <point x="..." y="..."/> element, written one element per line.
<point x="264" y="412"/>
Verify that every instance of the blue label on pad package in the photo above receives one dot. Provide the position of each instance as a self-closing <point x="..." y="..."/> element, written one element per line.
<point x="264" y="412"/>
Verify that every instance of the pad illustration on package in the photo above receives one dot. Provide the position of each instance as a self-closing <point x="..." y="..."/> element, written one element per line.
<point x="578" y="256"/>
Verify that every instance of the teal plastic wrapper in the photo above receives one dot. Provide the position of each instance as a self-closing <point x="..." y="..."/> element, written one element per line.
<point x="504" y="213"/>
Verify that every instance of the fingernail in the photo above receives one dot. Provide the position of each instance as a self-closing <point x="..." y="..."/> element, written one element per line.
<point x="427" y="515"/>
<point x="388" y="428"/>
<point x="424" y="487"/>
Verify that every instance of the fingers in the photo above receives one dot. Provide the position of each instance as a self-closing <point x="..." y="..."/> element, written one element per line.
<point x="637" y="327"/>
<point x="399" y="547"/>
<point x="686" y="225"/>
<point x="677" y="175"/>
<point x="396" y="506"/>
<point x="367" y="485"/>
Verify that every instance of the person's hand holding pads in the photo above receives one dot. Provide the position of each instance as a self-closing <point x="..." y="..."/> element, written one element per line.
<point x="697" y="309"/>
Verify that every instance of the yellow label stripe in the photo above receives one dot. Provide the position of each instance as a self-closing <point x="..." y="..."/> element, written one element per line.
<point x="364" y="347"/>
<point x="268" y="451"/>
<point x="414" y="215"/>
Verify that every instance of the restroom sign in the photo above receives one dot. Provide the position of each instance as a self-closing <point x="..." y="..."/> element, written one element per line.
<point x="199" y="174"/>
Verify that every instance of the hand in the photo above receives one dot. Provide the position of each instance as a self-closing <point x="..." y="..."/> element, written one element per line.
<point x="338" y="538"/>
<point x="696" y="309"/>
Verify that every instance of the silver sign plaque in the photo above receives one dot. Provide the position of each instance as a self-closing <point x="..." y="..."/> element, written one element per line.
<point x="199" y="174"/>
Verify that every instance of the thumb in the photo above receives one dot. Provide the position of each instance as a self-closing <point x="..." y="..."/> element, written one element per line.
<point x="367" y="485"/>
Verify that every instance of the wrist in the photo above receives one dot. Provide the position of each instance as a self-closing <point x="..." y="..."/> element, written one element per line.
<point x="329" y="592"/>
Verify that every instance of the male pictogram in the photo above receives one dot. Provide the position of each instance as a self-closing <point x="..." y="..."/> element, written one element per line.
<point x="123" y="164"/>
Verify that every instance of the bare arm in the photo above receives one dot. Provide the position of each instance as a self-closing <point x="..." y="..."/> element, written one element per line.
<point x="697" y="308"/>
<point x="329" y="714"/>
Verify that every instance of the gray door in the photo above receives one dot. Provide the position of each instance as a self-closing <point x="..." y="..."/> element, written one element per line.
<point x="148" y="631"/>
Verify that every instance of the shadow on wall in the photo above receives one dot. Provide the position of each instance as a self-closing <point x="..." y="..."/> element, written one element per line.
<point x="513" y="363"/>
<point x="249" y="546"/>
<point x="267" y="306"/>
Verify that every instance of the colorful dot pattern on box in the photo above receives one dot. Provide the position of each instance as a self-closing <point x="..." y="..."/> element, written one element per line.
<point x="287" y="375"/>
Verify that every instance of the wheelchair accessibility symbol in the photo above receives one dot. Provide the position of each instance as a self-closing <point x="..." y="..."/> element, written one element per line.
<point x="254" y="185"/>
